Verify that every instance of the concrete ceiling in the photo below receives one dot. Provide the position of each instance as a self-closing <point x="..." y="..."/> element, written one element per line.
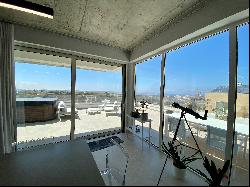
<point x="123" y="24"/>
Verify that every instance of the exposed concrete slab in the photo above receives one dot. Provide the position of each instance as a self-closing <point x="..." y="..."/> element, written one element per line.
<point x="215" y="15"/>
<point x="117" y="23"/>
<point x="122" y="31"/>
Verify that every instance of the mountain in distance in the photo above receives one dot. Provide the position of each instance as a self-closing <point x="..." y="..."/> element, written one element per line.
<point x="241" y="88"/>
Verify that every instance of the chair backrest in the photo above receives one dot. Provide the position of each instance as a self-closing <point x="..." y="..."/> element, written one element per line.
<point x="61" y="105"/>
<point x="117" y="163"/>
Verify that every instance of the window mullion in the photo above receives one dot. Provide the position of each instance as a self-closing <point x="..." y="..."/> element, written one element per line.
<point x="232" y="91"/>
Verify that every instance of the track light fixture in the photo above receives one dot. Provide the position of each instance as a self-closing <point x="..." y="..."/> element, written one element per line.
<point x="28" y="7"/>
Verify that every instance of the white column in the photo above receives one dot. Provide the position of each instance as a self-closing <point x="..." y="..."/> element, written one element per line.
<point x="123" y="104"/>
<point x="130" y="92"/>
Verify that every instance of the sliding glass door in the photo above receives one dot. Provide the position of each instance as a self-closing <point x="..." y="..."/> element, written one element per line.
<point x="43" y="98"/>
<point x="98" y="98"/>
<point x="43" y="92"/>
<point x="197" y="78"/>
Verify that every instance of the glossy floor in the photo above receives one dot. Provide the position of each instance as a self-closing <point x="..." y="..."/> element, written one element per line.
<point x="145" y="165"/>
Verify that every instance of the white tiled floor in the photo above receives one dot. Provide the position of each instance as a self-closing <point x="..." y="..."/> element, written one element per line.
<point x="145" y="165"/>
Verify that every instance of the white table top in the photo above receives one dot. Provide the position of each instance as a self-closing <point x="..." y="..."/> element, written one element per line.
<point x="62" y="164"/>
<point x="241" y="128"/>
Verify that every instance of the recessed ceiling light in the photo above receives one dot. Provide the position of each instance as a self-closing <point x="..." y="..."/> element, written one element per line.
<point x="28" y="7"/>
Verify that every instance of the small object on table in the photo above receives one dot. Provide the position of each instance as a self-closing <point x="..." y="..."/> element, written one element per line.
<point x="135" y="114"/>
<point x="137" y="128"/>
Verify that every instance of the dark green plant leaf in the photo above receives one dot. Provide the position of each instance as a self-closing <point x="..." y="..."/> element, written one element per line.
<point x="214" y="171"/>
<point x="223" y="171"/>
<point x="225" y="167"/>
<point x="216" y="175"/>
<point x="207" y="165"/>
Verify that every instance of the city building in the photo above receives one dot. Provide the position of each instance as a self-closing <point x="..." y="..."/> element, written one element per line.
<point x="214" y="99"/>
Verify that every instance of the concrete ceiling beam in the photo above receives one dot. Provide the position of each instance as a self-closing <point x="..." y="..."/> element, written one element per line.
<point x="30" y="37"/>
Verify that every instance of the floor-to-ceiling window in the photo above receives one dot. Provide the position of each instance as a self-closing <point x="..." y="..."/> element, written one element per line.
<point x="44" y="101"/>
<point x="98" y="98"/>
<point x="147" y="88"/>
<point x="43" y="98"/>
<point x="197" y="77"/>
<point x="241" y="159"/>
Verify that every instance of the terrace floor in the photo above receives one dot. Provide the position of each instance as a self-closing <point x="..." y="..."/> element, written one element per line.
<point x="84" y="124"/>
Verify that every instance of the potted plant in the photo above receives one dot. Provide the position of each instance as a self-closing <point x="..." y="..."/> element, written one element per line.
<point x="180" y="162"/>
<point x="216" y="175"/>
<point x="144" y="115"/>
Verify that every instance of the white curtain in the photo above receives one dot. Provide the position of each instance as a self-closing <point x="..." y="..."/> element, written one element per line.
<point x="7" y="89"/>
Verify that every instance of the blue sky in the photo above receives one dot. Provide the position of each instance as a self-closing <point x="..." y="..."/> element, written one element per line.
<point x="32" y="76"/>
<point x="201" y="66"/>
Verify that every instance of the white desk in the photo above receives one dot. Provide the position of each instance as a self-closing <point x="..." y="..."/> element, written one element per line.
<point x="62" y="164"/>
<point x="142" y="122"/>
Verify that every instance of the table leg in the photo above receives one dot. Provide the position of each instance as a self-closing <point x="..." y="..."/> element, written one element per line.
<point x="245" y="147"/>
<point x="149" y="129"/>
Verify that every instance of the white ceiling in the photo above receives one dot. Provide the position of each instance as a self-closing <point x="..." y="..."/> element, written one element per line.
<point x="117" y="23"/>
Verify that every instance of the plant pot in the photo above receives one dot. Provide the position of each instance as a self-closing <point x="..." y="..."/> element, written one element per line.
<point x="179" y="173"/>
<point x="144" y="116"/>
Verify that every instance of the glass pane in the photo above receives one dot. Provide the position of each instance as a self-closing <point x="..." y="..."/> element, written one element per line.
<point x="197" y="78"/>
<point x="241" y="159"/>
<point x="148" y="78"/>
<point x="98" y="98"/>
<point x="40" y="91"/>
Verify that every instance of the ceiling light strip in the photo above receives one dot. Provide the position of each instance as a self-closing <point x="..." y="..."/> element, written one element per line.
<point x="29" y="7"/>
